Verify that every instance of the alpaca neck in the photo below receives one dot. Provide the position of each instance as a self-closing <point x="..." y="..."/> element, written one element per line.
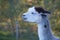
<point x="44" y="33"/>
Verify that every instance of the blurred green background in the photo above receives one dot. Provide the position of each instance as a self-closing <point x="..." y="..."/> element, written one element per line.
<point x="12" y="27"/>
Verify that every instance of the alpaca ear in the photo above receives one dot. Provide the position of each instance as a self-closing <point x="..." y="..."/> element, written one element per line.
<point x="47" y="12"/>
<point x="40" y="9"/>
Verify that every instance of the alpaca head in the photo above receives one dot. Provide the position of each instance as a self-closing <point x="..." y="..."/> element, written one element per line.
<point x="35" y="14"/>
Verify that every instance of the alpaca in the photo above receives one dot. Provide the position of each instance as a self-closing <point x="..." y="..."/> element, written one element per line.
<point x="39" y="16"/>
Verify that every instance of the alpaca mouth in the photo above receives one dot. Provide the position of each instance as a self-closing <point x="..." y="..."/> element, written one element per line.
<point x="24" y="18"/>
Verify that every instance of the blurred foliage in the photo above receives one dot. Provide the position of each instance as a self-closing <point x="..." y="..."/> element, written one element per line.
<point x="13" y="9"/>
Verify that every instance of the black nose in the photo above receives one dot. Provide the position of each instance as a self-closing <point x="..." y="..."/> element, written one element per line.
<point x="23" y="15"/>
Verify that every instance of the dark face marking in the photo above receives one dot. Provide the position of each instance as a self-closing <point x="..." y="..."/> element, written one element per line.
<point x="40" y="9"/>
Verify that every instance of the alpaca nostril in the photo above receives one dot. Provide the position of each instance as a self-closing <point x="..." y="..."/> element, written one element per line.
<point x="23" y="15"/>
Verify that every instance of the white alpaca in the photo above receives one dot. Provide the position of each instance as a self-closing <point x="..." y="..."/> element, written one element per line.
<point x="40" y="17"/>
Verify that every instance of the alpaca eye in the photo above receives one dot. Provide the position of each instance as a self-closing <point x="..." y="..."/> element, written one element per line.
<point x="32" y="13"/>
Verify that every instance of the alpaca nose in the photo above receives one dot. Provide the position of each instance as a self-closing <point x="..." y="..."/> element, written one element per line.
<point x="24" y="17"/>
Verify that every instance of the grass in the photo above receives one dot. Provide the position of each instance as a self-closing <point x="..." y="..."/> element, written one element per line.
<point x="7" y="38"/>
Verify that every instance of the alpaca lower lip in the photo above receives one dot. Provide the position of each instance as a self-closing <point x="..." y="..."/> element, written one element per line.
<point x="25" y="18"/>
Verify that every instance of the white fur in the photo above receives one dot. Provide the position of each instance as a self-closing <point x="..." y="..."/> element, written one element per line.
<point x="43" y="33"/>
<point x="32" y="17"/>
